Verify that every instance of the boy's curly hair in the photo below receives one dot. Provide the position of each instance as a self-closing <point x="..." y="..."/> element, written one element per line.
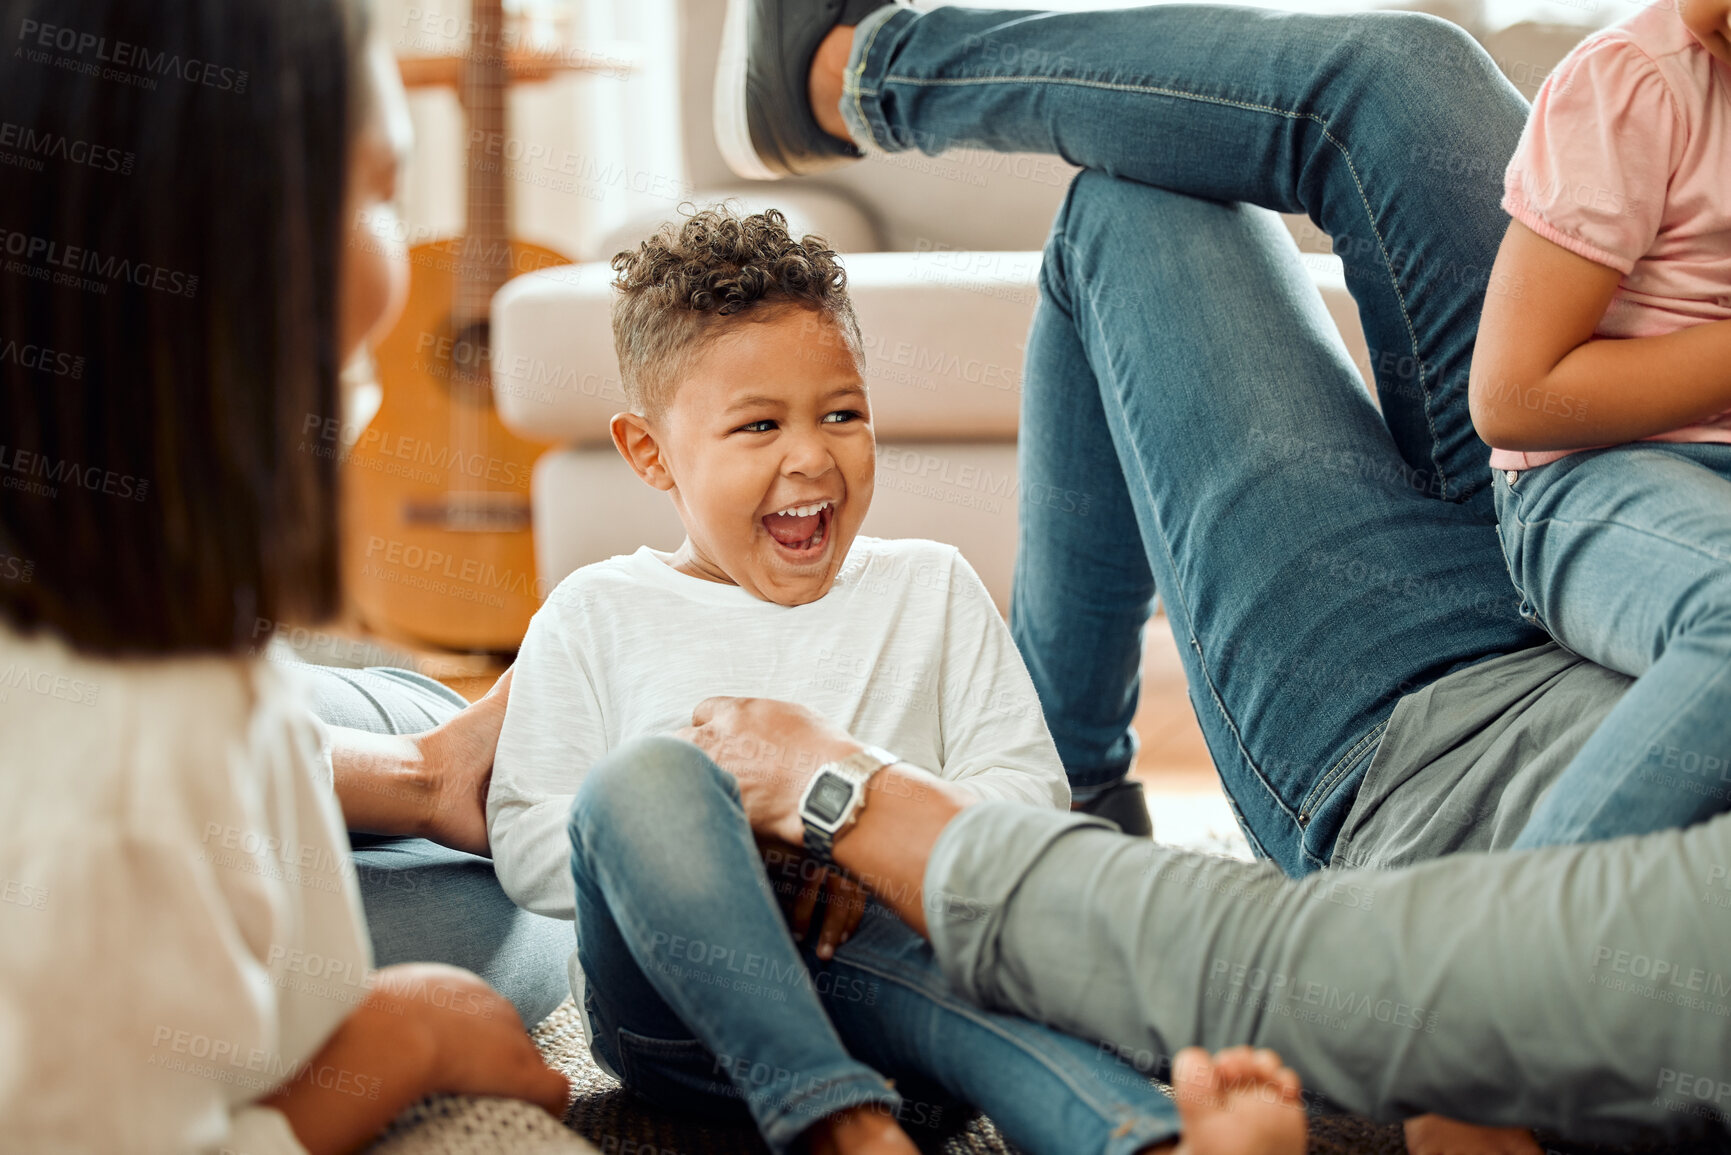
<point x="687" y="284"/>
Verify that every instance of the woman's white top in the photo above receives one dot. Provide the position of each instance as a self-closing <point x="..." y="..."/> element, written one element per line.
<point x="180" y="928"/>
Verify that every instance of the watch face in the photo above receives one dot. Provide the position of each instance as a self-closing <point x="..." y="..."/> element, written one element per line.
<point x="830" y="795"/>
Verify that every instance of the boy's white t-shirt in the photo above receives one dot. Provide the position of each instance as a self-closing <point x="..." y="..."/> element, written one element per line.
<point x="906" y="651"/>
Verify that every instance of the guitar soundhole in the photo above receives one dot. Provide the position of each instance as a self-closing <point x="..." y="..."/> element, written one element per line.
<point x="460" y="356"/>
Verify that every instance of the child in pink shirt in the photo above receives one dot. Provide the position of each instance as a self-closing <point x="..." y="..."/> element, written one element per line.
<point x="1602" y="378"/>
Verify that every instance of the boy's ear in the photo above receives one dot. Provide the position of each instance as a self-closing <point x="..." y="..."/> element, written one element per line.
<point x="642" y="452"/>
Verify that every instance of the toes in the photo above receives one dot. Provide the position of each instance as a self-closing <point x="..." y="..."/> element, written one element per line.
<point x="1195" y="1077"/>
<point x="1238" y="1065"/>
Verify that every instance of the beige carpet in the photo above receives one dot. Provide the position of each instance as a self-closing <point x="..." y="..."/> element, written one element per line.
<point x="605" y="1118"/>
<point x="602" y="1117"/>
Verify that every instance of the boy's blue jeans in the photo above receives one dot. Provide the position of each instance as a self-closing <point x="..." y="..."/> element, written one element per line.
<point x="1318" y="559"/>
<point x="1625" y="555"/>
<point x="701" y="1000"/>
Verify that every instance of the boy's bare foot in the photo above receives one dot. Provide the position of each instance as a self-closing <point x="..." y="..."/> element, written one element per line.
<point x="868" y="1129"/>
<point x="1435" y="1135"/>
<point x="1241" y="1102"/>
<point x="824" y="85"/>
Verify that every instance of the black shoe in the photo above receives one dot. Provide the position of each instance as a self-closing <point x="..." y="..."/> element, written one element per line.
<point x="1124" y="805"/>
<point x="763" y="120"/>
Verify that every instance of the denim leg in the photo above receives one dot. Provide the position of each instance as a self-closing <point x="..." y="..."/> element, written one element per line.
<point x="426" y="902"/>
<point x="379" y="700"/>
<point x="1081" y="593"/>
<point x="1390" y="130"/>
<point x="1625" y="554"/>
<point x="690" y="967"/>
<point x="1187" y="369"/>
<point x="1048" y="1092"/>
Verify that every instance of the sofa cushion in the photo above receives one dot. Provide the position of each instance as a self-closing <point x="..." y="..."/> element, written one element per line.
<point x="943" y="332"/>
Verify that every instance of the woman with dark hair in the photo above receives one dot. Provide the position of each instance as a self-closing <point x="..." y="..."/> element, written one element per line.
<point x="197" y="233"/>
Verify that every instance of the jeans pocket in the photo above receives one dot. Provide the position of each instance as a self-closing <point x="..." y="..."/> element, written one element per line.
<point x="680" y="1074"/>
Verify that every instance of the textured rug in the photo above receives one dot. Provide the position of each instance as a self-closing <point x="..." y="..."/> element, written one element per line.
<point x="605" y="1118"/>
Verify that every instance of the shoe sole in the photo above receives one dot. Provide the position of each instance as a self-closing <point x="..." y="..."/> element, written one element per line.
<point x="732" y="121"/>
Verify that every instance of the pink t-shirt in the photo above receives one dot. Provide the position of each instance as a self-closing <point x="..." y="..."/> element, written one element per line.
<point x="1627" y="162"/>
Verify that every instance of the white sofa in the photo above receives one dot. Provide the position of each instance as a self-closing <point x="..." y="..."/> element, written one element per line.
<point x="942" y="255"/>
<point x="943" y="338"/>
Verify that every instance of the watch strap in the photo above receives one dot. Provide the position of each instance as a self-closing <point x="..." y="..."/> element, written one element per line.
<point x="859" y="768"/>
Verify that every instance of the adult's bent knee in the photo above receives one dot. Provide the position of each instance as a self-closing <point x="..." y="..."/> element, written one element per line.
<point x="1405" y="44"/>
<point x="1427" y="80"/>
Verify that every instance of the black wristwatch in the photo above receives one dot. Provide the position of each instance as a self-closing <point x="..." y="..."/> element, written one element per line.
<point x="835" y="796"/>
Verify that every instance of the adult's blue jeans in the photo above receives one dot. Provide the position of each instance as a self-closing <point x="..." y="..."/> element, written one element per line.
<point x="426" y="902"/>
<point x="1625" y="555"/>
<point x="1318" y="559"/>
<point x="700" y="1000"/>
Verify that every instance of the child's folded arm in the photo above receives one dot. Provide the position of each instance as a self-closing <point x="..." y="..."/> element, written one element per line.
<point x="553" y="732"/>
<point x="1587" y="190"/>
<point x="995" y="739"/>
<point x="1542" y="380"/>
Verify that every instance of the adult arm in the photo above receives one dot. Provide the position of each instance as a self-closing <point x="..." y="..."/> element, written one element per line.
<point x="1582" y="989"/>
<point x="771" y="747"/>
<point x="430" y="785"/>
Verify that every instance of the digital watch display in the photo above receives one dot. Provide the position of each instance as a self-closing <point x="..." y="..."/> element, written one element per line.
<point x="834" y="797"/>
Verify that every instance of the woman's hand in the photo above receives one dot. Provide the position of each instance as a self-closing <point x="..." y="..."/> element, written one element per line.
<point x="423" y="1029"/>
<point x="457" y="760"/>
<point x="772" y="748"/>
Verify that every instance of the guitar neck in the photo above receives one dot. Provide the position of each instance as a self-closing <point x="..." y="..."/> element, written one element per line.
<point x="485" y="262"/>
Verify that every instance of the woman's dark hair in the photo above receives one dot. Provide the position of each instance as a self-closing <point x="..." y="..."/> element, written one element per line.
<point x="172" y="183"/>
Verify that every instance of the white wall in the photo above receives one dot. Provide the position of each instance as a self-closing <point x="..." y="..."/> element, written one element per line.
<point x="591" y="149"/>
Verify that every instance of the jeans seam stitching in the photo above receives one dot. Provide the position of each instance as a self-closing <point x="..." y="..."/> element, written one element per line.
<point x="1691" y="547"/>
<point x="981" y="1019"/>
<point x="1341" y="766"/>
<point x="1328" y="134"/>
<point x="855" y="75"/>
<point x="1062" y="238"/>
<point x="861" y="1079"/>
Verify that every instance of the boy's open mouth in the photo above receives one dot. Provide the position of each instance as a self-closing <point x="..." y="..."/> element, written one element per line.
<point x="801" y="530"/>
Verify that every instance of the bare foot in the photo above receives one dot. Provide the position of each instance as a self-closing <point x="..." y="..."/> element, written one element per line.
<point x="824" y="86"/>
<point x="1240" y="1102"/>
<point x="868" y="1129"/>
<point x="1435" y="1135"/>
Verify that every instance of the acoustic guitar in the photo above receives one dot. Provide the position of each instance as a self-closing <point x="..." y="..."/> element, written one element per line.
<point x="437" y="489"/>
